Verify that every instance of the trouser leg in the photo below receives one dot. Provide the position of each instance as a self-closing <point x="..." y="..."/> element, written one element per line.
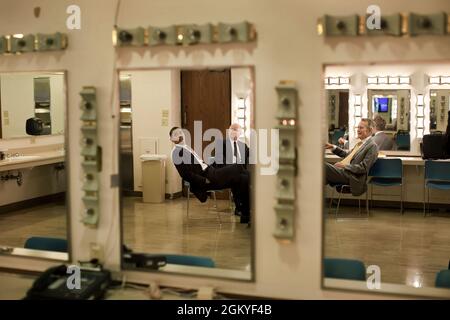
<point x="334" y="175"/>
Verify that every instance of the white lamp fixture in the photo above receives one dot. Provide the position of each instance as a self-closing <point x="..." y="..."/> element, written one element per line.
<point x="372" y="80"/>
<point x="241" y="103"/>
<point x="336" y="80"/>
<point x="333" y="80"/>
<point x="420" y="100"/>
<point x="405" y="80"/>
<point x="357" y="100"/>
<point x="394" y="80"/>
<point x="434" y="80"/>
<point x="344" y="80"/>
<point x="420" y="116"/>
<point x="445" y="80"/>
<point x="382" y="80"/>
<point x="420" y="111"/>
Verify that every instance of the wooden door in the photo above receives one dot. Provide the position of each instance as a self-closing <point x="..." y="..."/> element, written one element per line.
<point x="206" y="97"/>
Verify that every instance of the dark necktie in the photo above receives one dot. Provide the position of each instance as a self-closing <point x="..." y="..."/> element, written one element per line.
<point x="236" y="152"/>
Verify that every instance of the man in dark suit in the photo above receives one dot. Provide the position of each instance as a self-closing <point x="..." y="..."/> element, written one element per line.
<point x="203" y="177"/>
<point x="232" y="150"/>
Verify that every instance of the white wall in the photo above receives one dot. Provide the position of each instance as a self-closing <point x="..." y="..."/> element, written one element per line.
<point x="287" y="48"/>
<point x="152" y="92"/>
<point x="57" y="103"/>
<point x="17" y="94"/>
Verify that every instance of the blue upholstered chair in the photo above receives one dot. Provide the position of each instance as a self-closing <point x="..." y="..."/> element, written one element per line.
<point x="443" y="279"/>
<point x="387" y="173"/>
<point x="344" y="269"/>
<point x="403" y="141"/>
<point x="190" y="260"/>
<point x="46" y="244"/>
<point x="437" y="176"/>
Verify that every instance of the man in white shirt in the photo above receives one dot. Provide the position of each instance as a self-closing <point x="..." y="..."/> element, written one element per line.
<point x="353" y="169"/>
<point x="203" y="177"/>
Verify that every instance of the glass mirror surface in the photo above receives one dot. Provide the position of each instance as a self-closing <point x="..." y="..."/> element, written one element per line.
<point x="185" y="172"/>
<point x="33" y="172"/>
<point x="33" y="100"/>
<point x="390" y="110"/>
<point x="387" y="214"/>
<point x="439" y="109"/>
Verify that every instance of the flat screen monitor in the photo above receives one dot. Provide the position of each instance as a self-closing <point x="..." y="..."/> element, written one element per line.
<point x="382" y="104"/>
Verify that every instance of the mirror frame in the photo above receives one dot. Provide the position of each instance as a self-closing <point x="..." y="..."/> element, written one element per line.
<point x="51" y="255"/>
<point x="184" y="270"/>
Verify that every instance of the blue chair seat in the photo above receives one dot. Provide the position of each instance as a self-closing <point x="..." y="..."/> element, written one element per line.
<point x="46" y="244"/>
<point x="190" y="260"/>
<point x="379" y="181"/>
<point x="441" y="185"/>
<point x="443" y="279"/>
<point x="344" y="269"/>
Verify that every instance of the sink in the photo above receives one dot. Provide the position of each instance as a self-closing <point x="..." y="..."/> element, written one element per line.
<point x="23" y="158"/>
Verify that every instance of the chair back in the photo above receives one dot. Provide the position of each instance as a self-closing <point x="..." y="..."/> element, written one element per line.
<point x="403" y="141"/>
<point x="344" y="269"/>
<point x="46" y="244"/>
<point x="190" y="260"/>
<point x="387" y="168"/>
<point x="437" y="170"/>
<point x="336" y="135"/>
<point x="442" y="279"/>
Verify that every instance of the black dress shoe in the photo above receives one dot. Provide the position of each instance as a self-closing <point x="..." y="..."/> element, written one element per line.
<point x="245" y="219"/>
<point x="201" y="196"/>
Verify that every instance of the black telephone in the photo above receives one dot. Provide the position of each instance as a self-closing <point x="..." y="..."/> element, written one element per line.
<point x="52" y="284"/>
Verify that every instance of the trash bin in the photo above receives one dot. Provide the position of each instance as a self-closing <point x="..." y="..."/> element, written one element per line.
<point x="153" y="177"/>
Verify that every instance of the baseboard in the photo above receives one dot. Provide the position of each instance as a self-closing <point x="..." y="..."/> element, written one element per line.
<point x="57" y="197"/>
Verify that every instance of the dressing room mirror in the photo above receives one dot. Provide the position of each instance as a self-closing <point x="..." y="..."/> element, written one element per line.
<point x="386" y="216"/>
<point x="33" y="170"/>
<point x="32" y="104"/>
<point x="185" y="170"/>
<point x="391" y="110"/>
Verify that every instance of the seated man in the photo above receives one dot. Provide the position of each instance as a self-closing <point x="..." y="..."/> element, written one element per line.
<point x="233" y="151"/>
<point x="353" y="169"/>
<point x="203" y="177"/>
<point x="381" y="139"/>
